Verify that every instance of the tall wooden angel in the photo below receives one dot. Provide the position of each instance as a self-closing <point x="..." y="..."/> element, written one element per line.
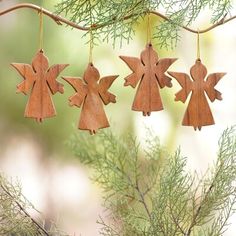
<point x="40" y="82"/>
<point x="91" y="94"/>
<point x="198" y="112"/>
<point x="149" y="72"/>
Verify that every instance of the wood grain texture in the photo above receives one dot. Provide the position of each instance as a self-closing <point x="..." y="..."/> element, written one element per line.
<point x="198" y="112"/>
<point x="91" y="93"/>
<point x="40" y="82"/>
<point x="149" y="72"/>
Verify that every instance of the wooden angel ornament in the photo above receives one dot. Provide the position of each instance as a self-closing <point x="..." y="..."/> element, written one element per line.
<point x="40" y="82"/>
<point x="149" y="72"/>
<point x="198" y="112"/>
<point x="91" y="94"/>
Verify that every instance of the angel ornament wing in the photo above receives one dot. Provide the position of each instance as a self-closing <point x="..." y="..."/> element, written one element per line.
<point x="149" y="72"/>
<point x="198" y="112"/>
<point x="40" y="82"/>
<point x="91" y="94"/>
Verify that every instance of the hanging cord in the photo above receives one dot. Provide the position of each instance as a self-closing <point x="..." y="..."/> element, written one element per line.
<point x="198" y="46"/>
<point x="91" y="46"/>
<point x="149" y="37"/>
<point x="41" y="29"/>
<point x="40" y="120"/>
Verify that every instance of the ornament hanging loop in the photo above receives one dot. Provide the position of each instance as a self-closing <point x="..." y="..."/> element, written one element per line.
<point x="198" y="47"/>
<point x="149" y="37"/>
<point x="91" y="46"/>
<point x="41" y="29"/>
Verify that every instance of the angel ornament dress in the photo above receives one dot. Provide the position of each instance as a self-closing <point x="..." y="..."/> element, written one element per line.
<point x="40" y="82"/>
<point x="149" y="72"/>
<point x="198" y="112"/>
<point x="91" y="94"/>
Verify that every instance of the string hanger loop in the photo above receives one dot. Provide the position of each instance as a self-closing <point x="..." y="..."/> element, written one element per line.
<point x="91" y="46"/>
<point x="198" y="47"/>
<point x="149" y="36"/>
<point x="41" y="28"/>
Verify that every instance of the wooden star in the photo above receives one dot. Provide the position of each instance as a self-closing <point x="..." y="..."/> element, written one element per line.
<point x="150" y="71"/>
<point x="91" y="94"/>
<point x="198" y="112"/>
<point x="40" y="82"/>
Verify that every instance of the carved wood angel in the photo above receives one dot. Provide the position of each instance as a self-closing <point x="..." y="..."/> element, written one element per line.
<point x="91" y="94"/>
<point x="40" y="82"/>
<point x="198" y="112"/>
<point x="149" y="72"/>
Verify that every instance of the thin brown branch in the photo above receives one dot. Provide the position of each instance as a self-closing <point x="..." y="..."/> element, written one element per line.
<point x="227" y="215"/>
<point x="198" y="211"/>
<point x="175" y="219"/>
<point x="142" y="200"/>
<point x="59" y="20"/>
<point x="24" y="211"/>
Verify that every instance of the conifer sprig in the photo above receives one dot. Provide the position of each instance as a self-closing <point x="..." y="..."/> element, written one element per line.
<point x="150" y="192"/>
<point x="14" y="213"/>
<point x="112" y="16"/>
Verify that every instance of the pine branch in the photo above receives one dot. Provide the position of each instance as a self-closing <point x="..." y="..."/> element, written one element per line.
<point x="150" y="193"/>
<point x="21" y="208"/>
<point x="14" y="216"/>
<point x="219" y="188"/>
<point x="119" y="18"/>
<point x="116" y="20"/>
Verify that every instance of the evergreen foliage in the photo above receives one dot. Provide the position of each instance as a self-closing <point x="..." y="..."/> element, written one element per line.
<point x="15" y="219"/>
<point x="149" y="192"/>
<point x="117" y="18"/>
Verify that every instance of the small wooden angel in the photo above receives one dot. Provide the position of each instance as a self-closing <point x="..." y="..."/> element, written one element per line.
<point x="198" y="112"/>
<point x="91" y="94"/>
<point x="40" y="82"/>
<point x="149" y="72"/>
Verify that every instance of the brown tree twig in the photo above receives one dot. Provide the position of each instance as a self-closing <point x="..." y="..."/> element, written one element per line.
<point x="59" y="20"/>
<point x="198" y="211"/>
<point x="24" y="211"/>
